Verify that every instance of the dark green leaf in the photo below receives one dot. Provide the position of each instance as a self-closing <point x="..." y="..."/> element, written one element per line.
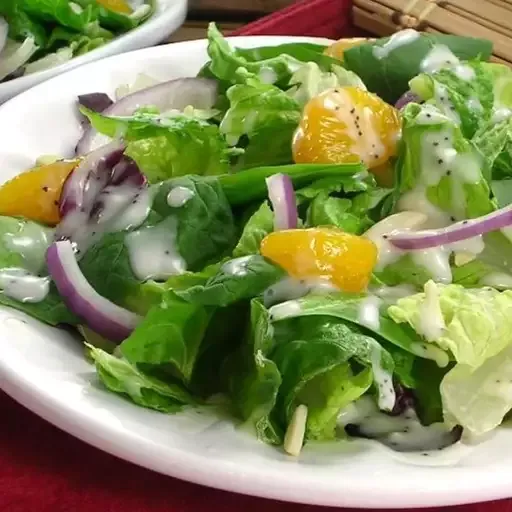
<point x="241" y="278"/>
<point x="389" y="76"/>
<point x="259" y="225"/>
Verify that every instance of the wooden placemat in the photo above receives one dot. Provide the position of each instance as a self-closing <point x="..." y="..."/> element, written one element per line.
<point x="488" y="19"/>
<point x="228" y="14"/>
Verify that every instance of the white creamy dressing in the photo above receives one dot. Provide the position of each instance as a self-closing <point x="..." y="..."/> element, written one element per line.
<point x="475" y="104"/>
<point x="31" y="243"/>
<point x="153" y="252"/>
<point x="267" y="75"/>
<point x="429" y="351"/>
<point x="500" y="114"/>
<point x="287" y="309"/>
<point x="441" y="57"/>
<point x="291" y="288"/>
<point x="369" y="312"/>
<point x="498" y="280"/>
<point x="416" y="200"/>
<point x="431" y="325"/>
<point x="178" y="196"/>
<point x="391" y="294"/>
<point x="397" y="40"/>
<point x="383" y="380"/>
<point x="21" y="285"/>
<point x="402" y="433"/>
<point x="445" y="104"/>
<point x="237" y="267"/>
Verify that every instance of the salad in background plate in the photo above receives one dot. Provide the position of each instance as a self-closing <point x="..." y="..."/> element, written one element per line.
<point x="40" y="34"/>
<point x="321" y="235"/>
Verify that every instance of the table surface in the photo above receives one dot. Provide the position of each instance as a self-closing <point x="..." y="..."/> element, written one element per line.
<point x="228" y="14"/>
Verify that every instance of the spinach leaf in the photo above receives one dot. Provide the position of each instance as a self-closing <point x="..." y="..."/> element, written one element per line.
<point x="248" y="186"/>
<point x="170" y="336"/>
<point x="404" y="271"/>
<point x="51" y="310"/>
<point x="237" y="279"/>
<point x="346" y="306"/>
<point x="259" y="225"/>
<point x="23" y="245"/>
<point x="106" y="265"/>
<point x="389" y="76"/>
<point x="206" y="228"/>
<point x="119" y="376"/>
<point x="253" y="379"/>
<point x="165" y="147"/>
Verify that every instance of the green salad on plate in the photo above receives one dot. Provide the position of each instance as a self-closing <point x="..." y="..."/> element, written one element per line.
<point x="321" y="235"/>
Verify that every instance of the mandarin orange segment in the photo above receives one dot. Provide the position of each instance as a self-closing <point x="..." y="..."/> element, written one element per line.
<point x="345" y="260"/>
<point x="119" y="6"/>
<point x="346" y="125"/>
<point x="338" y="48"/>
<point x="35" y="193"/>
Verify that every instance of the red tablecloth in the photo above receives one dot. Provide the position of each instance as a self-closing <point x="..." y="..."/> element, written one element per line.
<point x="45" y="470"/>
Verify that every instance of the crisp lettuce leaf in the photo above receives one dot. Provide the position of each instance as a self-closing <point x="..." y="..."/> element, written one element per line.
<point x="478" y="398"/>
<point x="471" y="324"/>
<point x="494" y="141"/>
<point x="266" y="116"/>
<point x="119" y="376"/>
<point x="226" y="62"/>
<point x="309" y="81"/>
<point x="469" y="103"/>
<point x="253" y="379"/>
<point x="21" y="25"/>
<point x="167" y="146"/>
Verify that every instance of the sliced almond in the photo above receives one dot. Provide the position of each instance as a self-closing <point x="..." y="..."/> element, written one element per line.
<point x="294" y="437"/>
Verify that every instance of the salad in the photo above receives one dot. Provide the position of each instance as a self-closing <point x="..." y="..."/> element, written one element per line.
<point x="41" y="34"/>
<point x="319" y="235"/>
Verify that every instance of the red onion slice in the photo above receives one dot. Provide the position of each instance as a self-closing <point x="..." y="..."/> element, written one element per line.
<point x="284" y="204"/>
<point x="102" y="316"/>
<point x="177" y="94"/>
<point x="455" y="233"/>
<point x="406" y="98"/>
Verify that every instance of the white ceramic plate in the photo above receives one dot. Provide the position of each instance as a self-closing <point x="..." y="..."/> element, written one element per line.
<point x="44" y="369"/>
<point x="168" y="16"/>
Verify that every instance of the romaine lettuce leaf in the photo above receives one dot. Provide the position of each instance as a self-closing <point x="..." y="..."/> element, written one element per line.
<point x="266" y="116"/>
<point x="226" y="62"/>
<point x="478" y="398"/>
<point x="167" y="146"/>
<point x="119" y="376"/>
<point x="309" y="81"/>
<point x="21" y="25"/>
<point x="253" y="380"/>
<point x="471" y="324"/>
<point x="494" y="141"/>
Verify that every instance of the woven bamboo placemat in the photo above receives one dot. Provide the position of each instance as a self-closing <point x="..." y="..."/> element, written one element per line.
<point x="488" y="19"/>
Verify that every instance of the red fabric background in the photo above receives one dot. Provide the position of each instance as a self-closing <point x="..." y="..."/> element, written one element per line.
<point x="45" y="470"/>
